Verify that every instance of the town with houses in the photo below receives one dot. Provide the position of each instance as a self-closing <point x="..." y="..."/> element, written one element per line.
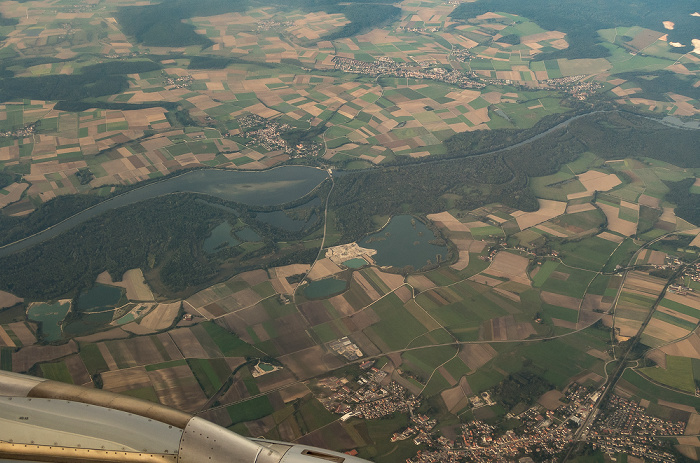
<point x="385" y="66"/>
<point x="268" y="133"/>
<point x="177" y="82"/>
<point x="576" y="86"/>
<point x="542" y="432"/>
<point x="21" y="132"/>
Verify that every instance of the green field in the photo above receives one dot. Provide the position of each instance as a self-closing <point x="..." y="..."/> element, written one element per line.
<point x="92" y="357"/>
<point x="681" y="308"/>
<point x="6" y="359"/>
<point x="543" y="274"/>
<point x="591" y="254"/>
<point x="229" y="344"/>
<point x="210" y="373"/>
<point x="651" y="391"/>
<point x="568" y="281"/>
<point x="678" y="373"/>
<point x="252" y="409"/>
<point x="396" y="326"/>
<point x="56" y="371"/>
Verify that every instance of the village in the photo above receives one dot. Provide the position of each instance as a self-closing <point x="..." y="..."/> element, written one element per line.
<point x="624" y="426"/>
<point x="543" y="431"/>
<point x="268" y="133"/>
<point x="384" y="66"/>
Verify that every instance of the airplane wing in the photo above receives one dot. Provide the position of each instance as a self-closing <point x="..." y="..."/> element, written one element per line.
<point x="48" y="421"/>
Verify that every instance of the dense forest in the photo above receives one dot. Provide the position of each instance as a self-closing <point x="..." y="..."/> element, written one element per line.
<point x="581" y="20"/>
<point x="525" y="387"/>
<point x="616" y="135"/>
<point x="7" y="21"/>
<point x="93" y="81"/>
<point x="153" y="233"/>
<point x="362" y="17"/>
<point x="48" y="214"/>
<point x="61" y="87"/>
<point x="78" y="106"/>
<point x="687" y="203"/>
<point x="161" y="25"/>
<point x="6" y="179"/>
<point x="609" y="134"/>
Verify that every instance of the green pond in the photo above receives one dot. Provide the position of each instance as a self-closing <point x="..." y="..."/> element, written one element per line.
<point x="126" y="319"/>
<point x="50" y="315"/>
<point x="220" y="238"/>
<point x="324" y="288"/>
<point x="266" y="367"/>
<point x="404" y="241"/>
<point x="88" y="323"/>
<point x="358" y="262"/>
<point x="99" y="297"/>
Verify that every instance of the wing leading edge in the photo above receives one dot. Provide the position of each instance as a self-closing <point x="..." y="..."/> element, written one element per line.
<point x="48" y="421"/>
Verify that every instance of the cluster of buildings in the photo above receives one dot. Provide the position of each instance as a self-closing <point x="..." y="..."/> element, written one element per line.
<point x="346" y="348"/>
<point x="268" y="134"/>
<point x="366" y="398"/>
<point x="421" y="427"/>
<point x="384" y="66"/>
<point x="692" y="272"/>
<point x="643" y="447"/>
<point x="178" y="82"/>
<point x="541" y="433"/>
<point x="481" y="442"/>
<point x="626" y="417"/>
<point x="267" y="24"/>
<point x="624" y="426"/>
<point x="409" y="28"/>
<point x="22" y="132"/>
<point x="573" y="85"/>
<point x="461" y="54"/>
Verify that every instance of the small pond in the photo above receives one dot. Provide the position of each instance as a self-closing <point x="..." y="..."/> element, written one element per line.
<point x="98" y="298"/>
<point x="355" y="263"/>
<point x="324" y="288"/>
<point x="221" y="237"/>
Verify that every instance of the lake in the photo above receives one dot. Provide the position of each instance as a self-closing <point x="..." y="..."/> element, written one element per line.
<point x="50" y="315"/>
<point x="266" y="188"/>
<point x="404" y="241"/>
